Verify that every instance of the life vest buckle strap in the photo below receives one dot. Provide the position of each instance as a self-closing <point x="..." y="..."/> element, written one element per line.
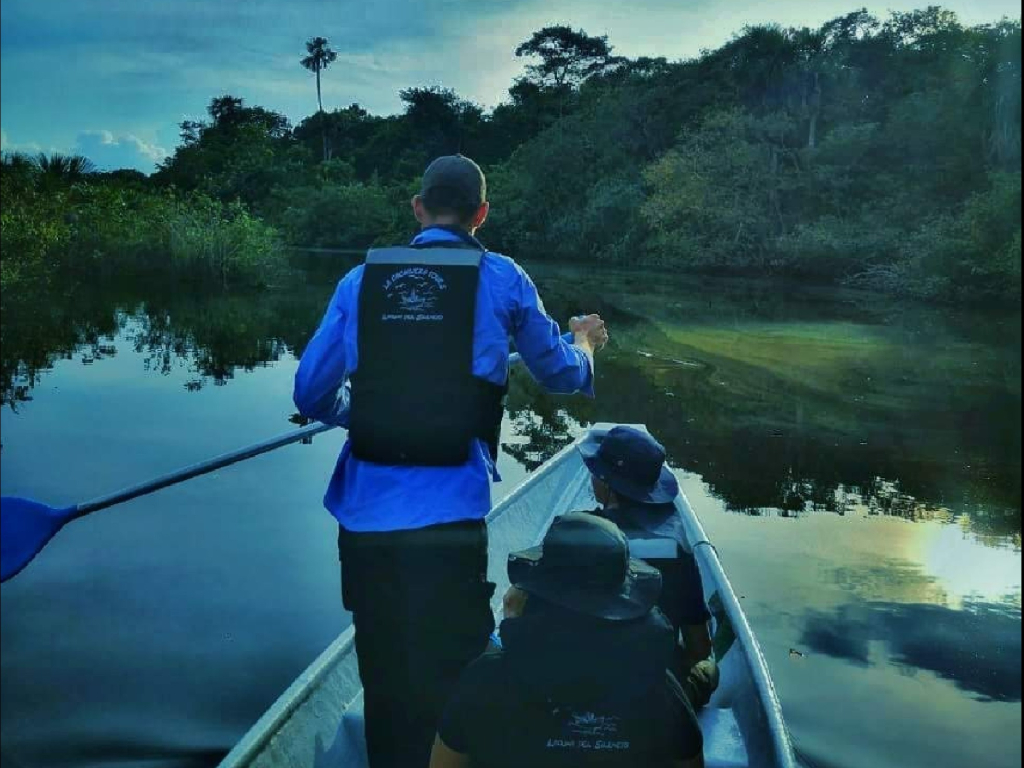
<point x="434" y="257"/>
<point x="653" y="549"/>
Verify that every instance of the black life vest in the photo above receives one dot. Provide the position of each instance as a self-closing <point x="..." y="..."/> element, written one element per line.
<point x="581" y="691"/>
<point x="415" y="400"/>
<point x="656" y="535"/>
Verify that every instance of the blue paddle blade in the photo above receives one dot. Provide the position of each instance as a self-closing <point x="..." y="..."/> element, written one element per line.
<point x="25" y="528"/>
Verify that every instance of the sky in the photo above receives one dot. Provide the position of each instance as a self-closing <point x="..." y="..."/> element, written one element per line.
<point x="112" y="79"/>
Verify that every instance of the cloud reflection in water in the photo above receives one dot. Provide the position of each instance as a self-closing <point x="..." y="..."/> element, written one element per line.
<point x="977" y="648"/>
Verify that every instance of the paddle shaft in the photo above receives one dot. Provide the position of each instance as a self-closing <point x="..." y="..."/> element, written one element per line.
<point x="202" y="468"/>
<point x="212" y="465"/>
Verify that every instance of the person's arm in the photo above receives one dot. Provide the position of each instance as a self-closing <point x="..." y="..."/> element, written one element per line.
<point x="697" y="642"/>
<point x="513" y="603"/>
<point x="695" y="615"/>
<point x="559" y="366"/>
<point x="442" y="756"/>
<point x="320" y="391"/>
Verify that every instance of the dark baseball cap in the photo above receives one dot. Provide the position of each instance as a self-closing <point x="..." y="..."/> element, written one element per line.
<point x="454" y="182"/>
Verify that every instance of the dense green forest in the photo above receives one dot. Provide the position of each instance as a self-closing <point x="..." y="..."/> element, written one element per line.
<point x="883" y="153"/>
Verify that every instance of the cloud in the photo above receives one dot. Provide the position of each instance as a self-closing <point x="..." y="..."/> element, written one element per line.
<point x="840" y="636"/>
<point x="6" y="145"/>
<point x="110" y="152"/>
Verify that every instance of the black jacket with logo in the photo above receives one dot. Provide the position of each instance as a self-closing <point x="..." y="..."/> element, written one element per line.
<point x="569" y="690"/>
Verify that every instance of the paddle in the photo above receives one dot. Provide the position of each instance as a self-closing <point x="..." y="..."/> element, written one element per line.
<point x="26" y="526"/>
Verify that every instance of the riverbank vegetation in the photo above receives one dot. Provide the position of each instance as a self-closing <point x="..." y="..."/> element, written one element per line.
<point x="882" y="153"/>
<point x="60" y="216"/>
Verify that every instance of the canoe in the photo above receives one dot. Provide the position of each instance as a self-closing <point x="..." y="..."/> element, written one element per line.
<point x="317" y="722"/>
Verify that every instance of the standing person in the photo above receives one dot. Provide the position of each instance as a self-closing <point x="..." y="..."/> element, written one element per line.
<point x="421" y="334"/>
<point x="637" y="492"/>
<point x="581" y="676"/>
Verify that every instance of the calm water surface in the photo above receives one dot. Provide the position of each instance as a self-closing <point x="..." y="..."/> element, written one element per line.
<point x="856" y="460"/>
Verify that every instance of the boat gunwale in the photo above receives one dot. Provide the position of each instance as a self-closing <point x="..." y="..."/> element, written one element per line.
<point x="764" y="685"/>
<point x="532" y="479"/>
<point x="263" y="731"/>
<point x="760" y="675"/>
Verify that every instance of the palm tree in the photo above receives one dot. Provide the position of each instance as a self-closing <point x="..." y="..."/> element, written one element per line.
<point x="320" y="57"/>
<point x="16" y="161"/>
<point x="68" y="168"/>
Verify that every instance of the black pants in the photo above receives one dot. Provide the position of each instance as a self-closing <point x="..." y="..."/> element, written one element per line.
<point x="420" y="603"/>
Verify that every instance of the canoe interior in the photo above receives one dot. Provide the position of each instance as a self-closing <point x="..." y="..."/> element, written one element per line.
<point x="317" y="722"/>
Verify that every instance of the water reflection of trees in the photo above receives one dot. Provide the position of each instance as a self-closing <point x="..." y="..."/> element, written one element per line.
<point x="38" y="330"/>
<point x="757" y="473"/>
<point x="908" y="431"/>
<point x="216" y="337"/>
<point x="766" y="444"/>
<point x="212" y="335"/>
<point x="541" y="426"/>
<point x="760" y="469"/>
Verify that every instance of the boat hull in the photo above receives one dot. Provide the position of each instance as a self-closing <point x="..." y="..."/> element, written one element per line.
<point x="317" y="722"/>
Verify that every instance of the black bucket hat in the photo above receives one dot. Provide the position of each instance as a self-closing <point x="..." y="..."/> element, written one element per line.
<point x="583" y="564"/>
<point x="632" y="463"/>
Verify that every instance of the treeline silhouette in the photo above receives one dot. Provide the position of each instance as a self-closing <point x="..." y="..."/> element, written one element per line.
<point x="882" y="153"/>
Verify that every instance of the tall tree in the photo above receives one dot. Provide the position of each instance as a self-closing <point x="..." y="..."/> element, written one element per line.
<point x="320" y="57"/>
<point x="568" y="57"/>
<point x="241" y="152"/>
<point x="441" y="121"/>
<point x="225" y="110"/>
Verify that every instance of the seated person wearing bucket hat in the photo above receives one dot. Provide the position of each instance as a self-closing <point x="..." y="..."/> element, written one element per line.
<point x="581" y="676"/>
<point x="637" y="492"/>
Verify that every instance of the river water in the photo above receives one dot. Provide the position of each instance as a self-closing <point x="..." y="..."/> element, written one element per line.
<point x="855" y="459"/>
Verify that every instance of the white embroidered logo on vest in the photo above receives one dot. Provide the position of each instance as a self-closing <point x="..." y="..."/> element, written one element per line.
<point x="413" y="294"/>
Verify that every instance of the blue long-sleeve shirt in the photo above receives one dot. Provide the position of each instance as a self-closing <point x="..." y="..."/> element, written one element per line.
<point x="364" y="496"/>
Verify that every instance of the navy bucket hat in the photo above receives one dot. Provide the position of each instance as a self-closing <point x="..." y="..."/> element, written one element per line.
<point x="632" y="463"/>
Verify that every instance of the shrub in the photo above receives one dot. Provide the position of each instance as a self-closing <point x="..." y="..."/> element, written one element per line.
<point x="104" y="225"/>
